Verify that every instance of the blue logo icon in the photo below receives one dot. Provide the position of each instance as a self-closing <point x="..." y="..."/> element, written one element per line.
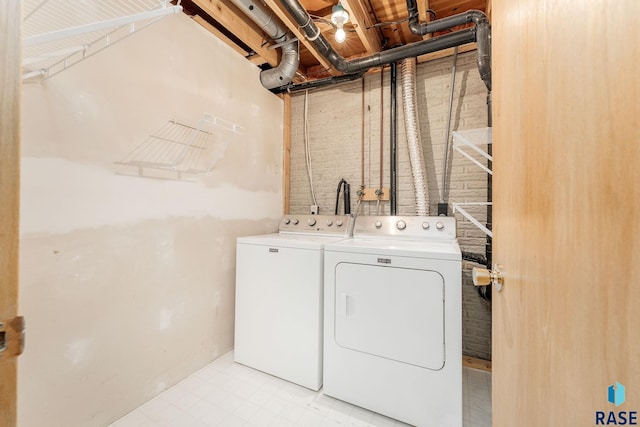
<point x="616" y="394"/>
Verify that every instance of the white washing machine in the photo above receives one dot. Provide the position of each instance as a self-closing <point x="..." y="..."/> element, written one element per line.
<point x="392" y="324"/>
<point x="279" y="297"/>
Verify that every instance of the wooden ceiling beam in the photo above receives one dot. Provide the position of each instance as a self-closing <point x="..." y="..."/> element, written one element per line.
<point x="359" y="16"/>
<point x="293" y="27"/>
<point x="446" y="52"/>
<point x="253" y="58"/>
<point x="423" y="15"/>
<point x="239" y="25"/>
<point x="219" y="34"/>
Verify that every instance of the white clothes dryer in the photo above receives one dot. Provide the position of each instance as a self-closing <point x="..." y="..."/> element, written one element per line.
<point x="279" y="297"/>
<point x="392" y="323"/>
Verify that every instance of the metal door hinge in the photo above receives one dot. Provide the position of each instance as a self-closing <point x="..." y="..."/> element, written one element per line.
<point x="12" y="337"/>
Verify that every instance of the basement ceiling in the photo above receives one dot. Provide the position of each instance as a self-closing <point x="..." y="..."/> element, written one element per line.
<point x="374" y="26"/>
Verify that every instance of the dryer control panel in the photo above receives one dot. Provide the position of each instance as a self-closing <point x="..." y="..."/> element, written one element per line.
<point x="441" y="228"/>
<point x="329" y="225"/>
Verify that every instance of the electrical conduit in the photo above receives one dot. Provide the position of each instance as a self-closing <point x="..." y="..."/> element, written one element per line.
<point x="412" y="130"/>
<point x="442" y="205"/>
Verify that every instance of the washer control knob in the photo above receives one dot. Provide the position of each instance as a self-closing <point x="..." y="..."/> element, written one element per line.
<point x="339" y="223"/>
<point x="439" y="225"/>
<point x="295" y="221"/>
<point x="287" y="221"/>
<point x="378" y="224"/>
<point x="311" y="221"/>
<point x="329" y="222"/>
<point x="401" y="225"/>
<point x="425" y="225"/>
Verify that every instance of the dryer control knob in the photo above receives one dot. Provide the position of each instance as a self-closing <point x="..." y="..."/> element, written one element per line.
<point x="287" y="221"/>
<point x="401" y="225"/>
<point x="295" y="221"/>
<point x="329" y="222"/>
<point x="439" y="225"/>
<point x="339" y="223"/>
<point x="378" y="224"/>
<point x="311" y="221"/>
<point x="425" y="225"/>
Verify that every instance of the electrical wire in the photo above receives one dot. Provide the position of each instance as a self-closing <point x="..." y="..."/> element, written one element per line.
<point x="306" y="146"/>
<point x="316" y="18"/>
<point x="384" y="24"/>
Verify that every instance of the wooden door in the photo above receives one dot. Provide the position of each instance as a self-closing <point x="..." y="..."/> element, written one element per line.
<point x="10" y="43"/>
<point x="566" y="78"/>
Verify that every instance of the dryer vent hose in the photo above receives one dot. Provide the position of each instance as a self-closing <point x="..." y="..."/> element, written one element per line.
<point x="414" y="141"/>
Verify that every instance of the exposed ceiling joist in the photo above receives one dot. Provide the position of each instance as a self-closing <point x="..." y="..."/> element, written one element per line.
<point x="240" y="25"/>
<point x="423" y="15"/>
<point x="446" y="52"/>
<point x="213" y="30"/>
<point x="293" y="27"/>
<point x="363" y="25"/>
<point x="390" y="31"/>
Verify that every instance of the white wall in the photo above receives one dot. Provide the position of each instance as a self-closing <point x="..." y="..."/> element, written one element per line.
<point x="127" y="282"/>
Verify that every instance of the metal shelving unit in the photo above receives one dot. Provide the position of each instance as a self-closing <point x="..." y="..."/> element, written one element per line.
<point x="468" y="142"/>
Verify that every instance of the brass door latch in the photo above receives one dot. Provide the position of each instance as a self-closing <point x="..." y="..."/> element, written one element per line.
<point x="484" y="277"/>
<point x="12" y="337"/>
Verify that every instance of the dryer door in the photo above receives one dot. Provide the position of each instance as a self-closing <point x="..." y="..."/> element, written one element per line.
<point x="390" y="312"/>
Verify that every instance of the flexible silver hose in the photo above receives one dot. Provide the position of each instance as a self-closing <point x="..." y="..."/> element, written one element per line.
<point x="412" y="130"/>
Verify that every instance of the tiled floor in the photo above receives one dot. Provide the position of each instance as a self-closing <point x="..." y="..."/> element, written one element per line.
<point x="228" y="394"/>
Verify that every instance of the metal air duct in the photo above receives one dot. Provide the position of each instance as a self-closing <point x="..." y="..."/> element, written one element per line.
<point x="284" y="72"/>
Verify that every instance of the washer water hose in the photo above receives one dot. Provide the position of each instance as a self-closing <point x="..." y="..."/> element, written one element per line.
<point x="345" y="188"/>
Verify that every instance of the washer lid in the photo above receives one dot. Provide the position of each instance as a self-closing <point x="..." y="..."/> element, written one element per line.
<point x="296" y="241"/>
<point x="405" y="248"/>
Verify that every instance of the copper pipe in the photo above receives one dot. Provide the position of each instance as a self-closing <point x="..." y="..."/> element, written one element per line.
<point x="362" y="144"/>
<point x="381" y="124"/>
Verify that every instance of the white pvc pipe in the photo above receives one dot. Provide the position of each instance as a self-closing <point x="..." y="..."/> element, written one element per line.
<point x="412" y="130"/>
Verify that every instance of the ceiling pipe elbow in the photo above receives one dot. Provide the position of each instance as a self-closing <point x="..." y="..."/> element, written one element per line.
<point x="286" y="69"/>
<point x="483" y="40"/>
<point x="283" y="73"/>
<point x="483" y="33"/>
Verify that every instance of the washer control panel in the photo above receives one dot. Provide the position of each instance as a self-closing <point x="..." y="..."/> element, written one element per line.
<point x="332" y="225"/>
<point x="406" y="227"/>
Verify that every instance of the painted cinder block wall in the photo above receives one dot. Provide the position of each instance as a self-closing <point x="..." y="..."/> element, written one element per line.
<point x="127" y="283"/>
<point x="334" y="125"/>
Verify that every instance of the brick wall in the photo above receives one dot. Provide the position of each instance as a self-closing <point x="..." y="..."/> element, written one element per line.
<point x="334" y="126"/>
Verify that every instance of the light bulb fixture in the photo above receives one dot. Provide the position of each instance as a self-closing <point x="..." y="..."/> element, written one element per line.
<point x="339" y="17"/>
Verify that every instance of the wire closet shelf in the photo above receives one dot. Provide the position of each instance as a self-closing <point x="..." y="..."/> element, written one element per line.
<point x="182" y="148"/>
<point x="61" y="33"/>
